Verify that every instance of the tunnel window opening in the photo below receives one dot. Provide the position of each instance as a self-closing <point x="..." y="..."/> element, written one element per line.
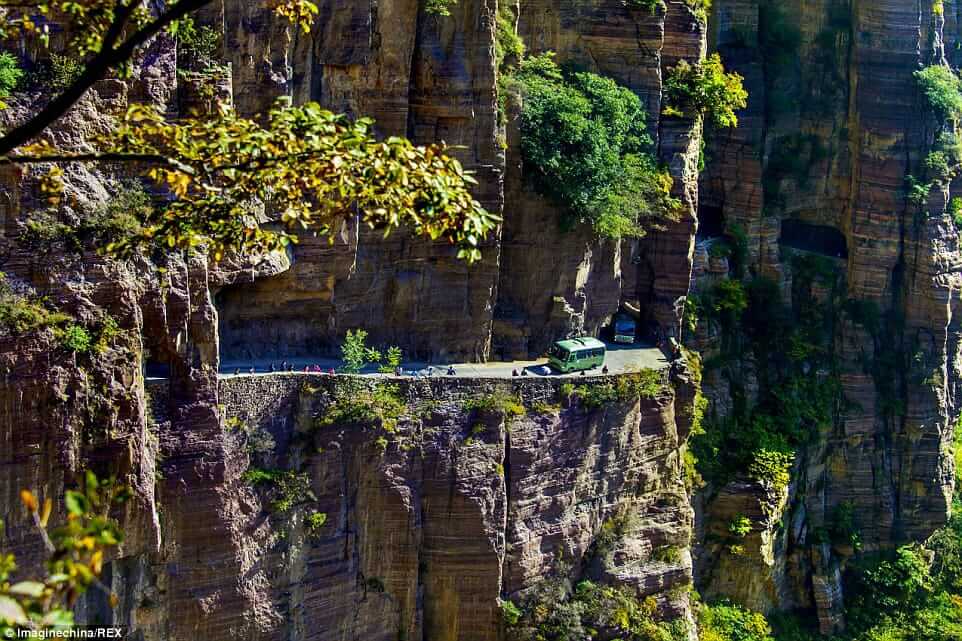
<point x="156" y="366"/>
<point x="819" y="239"/>
<point x="711" y="222"/>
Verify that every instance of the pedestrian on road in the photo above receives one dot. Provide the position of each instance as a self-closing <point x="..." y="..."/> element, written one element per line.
<point x="582" y="373"/>
<point x="514" y="372"/>
<point x="451" y="371"/>
<point x="604" y="370"/>
<point x="284" y="365"/>
<point x="399" y="371"/>
<point x="430" y="371"/>
<point x="252" y="369"/>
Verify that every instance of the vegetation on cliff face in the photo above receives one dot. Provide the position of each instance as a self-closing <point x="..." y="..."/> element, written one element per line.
<point x="307" y="167"/>
<point x="913" y="593"/>
<point x="788" y="345"/>
<point x="10" y="75"/>
<point x="941" y="91"/>
<point x="704" y="88"/>
<point x="585" y="146"/>
<point x="76" y="550"/>
<point x="555" y="611"/>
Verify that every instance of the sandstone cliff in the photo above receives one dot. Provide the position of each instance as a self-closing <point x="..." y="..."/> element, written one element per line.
<point x="818" y="170"/>
<point x="428" y="529"/>
<point x="421" y="541"/>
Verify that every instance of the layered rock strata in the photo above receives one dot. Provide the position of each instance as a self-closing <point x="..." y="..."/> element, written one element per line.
<point x="821" y="157"/>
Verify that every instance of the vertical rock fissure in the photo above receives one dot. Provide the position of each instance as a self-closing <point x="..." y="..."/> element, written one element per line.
<point x="506" y="468"/>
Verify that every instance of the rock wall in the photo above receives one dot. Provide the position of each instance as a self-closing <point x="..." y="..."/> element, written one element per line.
<point x="426" y="529"/>
<point x="433" y="79"/>
<point x="556" y="282"/>
<point x="833" y="127"/>
<point x="428" y="78"/>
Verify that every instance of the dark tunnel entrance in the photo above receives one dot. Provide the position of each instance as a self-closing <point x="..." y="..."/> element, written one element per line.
<point x="819" y="239"/>
<point x="711" y="222"/>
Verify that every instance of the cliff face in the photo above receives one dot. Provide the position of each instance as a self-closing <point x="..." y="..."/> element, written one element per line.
<point x="427" y="529"/>
<point x="817" y="169"/>
<point x="426" y="78"/>
<point x="555" y="282"/>
<point x="423" y="537"/>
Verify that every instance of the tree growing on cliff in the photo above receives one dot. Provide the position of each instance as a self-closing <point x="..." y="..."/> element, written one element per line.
<point x="226" y="176"/>
<point x="705" y="89"/>
<point x="10" y="75"/>
<point x="585" y="146"/>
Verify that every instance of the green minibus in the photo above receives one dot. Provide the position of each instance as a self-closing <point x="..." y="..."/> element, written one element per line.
<point x="576" y="354"/>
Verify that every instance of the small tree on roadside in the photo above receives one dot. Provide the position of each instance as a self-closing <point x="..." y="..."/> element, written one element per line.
<point x="355" y="352"/>
<point x="393" y="358"/>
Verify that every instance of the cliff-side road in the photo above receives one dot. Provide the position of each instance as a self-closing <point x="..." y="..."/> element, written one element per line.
<point x="620" y="359"/>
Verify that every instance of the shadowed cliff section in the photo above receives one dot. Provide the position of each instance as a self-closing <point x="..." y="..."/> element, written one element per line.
<point x="834" y="126"/>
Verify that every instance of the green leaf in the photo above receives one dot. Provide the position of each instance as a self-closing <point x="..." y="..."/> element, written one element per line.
<point x="32" y="589"/>
<point x="11" y="612"/>
<point x="76" y="503"/>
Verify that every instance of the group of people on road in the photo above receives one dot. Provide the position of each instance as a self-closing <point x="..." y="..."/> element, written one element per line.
<point x="317" y="369"/>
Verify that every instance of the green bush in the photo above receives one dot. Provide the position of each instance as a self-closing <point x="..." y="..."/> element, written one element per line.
<point x="740" y="526"/>
<point x="392" y="359"/>
<point x="771" y="467"/>
<point x="955" y="210"/>
<point x="10" y="75"/>
<point x="498" y="402"/>
<point x="700" y="8"/>
<point x="286" y="488"/>
<point x="585" y="146"/>
<point x="705" y="89"/>
<point x="728" y="622"/>
<point x="356" y="403"/>
<point x="942" y="91"/>
<point x="108" y="224"/>
<point x="439" y="7"/>
<point x="355" y="353"/>
<point x="197" y="45"/>
<point x="647" y="384"/>
<point x="76" y="339"/>
<point x="24" y="313"/>
<point x="508" y="45"/>
<point x="552" y="611"/>
<point x="314" y="523"/>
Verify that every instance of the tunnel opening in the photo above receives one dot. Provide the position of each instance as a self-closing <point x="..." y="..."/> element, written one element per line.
<point x="819" y="239"/>
<point x="155" y="366"/>
<point x="711" y="222"/>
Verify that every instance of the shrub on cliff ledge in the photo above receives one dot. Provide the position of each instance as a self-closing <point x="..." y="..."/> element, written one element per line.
<point x="728" y="622"/>
<point x="22" y="312"/>
<point x="552" y="611"/>
<point x="705" y="89"/>
<point x="585" y="147"/>
<point x="10" y="75"/>
<point x="942" y="91"/>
